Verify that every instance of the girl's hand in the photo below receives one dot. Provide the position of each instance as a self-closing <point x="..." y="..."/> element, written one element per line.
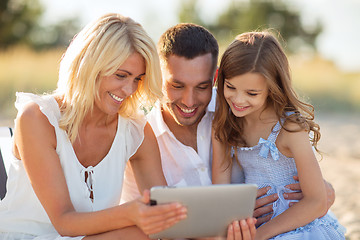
<point x="242" y="230"/>
<point x="153" y="219"/>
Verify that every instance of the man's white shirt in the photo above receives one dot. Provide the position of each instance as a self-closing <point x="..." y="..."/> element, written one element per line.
<point x="182" y="165"/>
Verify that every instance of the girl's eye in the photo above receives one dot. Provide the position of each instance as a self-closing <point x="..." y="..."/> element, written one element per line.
<point x="228" y="86"/>
<point x="252" y="94"/>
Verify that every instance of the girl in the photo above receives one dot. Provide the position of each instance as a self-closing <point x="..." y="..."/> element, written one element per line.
<point x="260" y="122"/>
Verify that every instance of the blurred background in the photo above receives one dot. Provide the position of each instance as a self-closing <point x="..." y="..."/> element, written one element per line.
<point x="321" y="38"/>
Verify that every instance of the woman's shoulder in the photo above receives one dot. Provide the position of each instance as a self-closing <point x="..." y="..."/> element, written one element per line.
<point x="37" y="107"/>
<point x="32" y="117"/>
<point x="137" y="120"/>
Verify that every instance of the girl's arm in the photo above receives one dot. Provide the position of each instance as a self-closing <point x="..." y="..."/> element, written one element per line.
<point x="313" y="204"/>
<point x="221" y="174"/>
<point x="35" y="145"/>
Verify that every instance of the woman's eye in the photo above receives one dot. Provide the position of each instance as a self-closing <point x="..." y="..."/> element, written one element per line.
<point x="253" y="94"/>
<point x="177" y="86"/>
<point x="121" y="76"/>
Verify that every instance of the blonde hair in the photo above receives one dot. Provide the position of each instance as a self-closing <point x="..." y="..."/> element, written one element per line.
<point x="98" y="50"/>
<point x="259" y="52"/>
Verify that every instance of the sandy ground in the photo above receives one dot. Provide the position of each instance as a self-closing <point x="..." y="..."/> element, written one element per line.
<point x="340" y="142"/>
<point x="341" y="166"/>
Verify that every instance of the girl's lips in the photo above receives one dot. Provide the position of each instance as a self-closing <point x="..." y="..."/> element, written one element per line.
<point x="239" y="108"/>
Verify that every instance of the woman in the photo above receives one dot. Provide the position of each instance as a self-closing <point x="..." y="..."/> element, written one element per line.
<point x="71" y="147"/>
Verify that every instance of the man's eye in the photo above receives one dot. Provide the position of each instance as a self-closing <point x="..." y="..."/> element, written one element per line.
<point x="203" y="87"/>
<point x="177" y="86"/>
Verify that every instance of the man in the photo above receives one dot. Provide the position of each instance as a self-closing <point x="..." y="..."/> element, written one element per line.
<point x="182" y="122"/>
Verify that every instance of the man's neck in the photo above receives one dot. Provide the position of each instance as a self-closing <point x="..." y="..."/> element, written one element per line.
<point x="187" y="135"/>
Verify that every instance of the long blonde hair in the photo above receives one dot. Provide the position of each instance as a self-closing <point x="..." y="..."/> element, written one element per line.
<point x="259" y="52"/>
<point x="98" y="50"/>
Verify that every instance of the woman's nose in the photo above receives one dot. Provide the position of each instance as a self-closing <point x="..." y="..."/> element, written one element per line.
<point x="129" y="88"/>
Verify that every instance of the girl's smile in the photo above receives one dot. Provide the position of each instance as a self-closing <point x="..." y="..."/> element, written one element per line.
<point x="246" y="94"/>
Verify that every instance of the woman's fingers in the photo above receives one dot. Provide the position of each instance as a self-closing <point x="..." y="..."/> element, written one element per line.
<point x="152" y="219"/>
<point x="158" y="226"/>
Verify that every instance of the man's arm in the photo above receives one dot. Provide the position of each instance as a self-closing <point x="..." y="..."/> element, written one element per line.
<point x="297" y="195"/>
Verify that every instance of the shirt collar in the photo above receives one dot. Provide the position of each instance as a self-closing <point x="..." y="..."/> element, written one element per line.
<point x="156" y="120"/>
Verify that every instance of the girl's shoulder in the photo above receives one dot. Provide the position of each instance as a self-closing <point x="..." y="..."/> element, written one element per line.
<point x="290" y="136"/>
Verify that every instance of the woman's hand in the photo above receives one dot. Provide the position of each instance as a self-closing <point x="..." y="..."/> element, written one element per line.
<point x="242" y="230"/>
<point x="153" y="219"/>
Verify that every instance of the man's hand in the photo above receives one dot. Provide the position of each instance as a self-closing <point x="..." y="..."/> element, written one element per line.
<point x="264" y="206"/>
<point x="297" y="195"/>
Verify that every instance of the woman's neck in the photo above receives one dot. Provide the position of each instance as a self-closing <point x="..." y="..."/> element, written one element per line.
<point x="98" y="118"/>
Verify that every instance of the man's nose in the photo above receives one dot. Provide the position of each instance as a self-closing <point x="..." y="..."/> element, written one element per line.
<point x="188" y="97"/>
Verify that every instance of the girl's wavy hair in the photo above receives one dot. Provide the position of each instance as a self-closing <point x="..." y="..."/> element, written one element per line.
<point x="96" y="51"/>
<point x="259" y="52"/>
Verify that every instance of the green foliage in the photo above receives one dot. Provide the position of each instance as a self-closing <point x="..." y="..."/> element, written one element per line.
<point x="17" y="19"/>
<point x="19" y="24"/>
<point x="243" y="16"/>
<point x="56" y="35"/>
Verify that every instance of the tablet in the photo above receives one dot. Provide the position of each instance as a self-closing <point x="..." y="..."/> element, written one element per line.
<point x="210" y="209"/>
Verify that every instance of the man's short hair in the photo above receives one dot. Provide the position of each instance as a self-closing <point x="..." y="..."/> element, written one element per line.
<point x="187" y="40"/>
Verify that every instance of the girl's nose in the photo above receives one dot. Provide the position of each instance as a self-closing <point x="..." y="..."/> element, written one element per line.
<point x="239" y="98"/>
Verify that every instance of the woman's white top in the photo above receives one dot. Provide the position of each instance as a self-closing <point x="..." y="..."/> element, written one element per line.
<point x="21" y="211"/>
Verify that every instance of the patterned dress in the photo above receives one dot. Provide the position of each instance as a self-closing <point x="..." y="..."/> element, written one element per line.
<point x="264" y="165"/>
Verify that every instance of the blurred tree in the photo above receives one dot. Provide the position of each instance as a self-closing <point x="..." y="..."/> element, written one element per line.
<point x="242" y="16"/>
<point x="17" y="19"/>
<point x="56" y="35"/>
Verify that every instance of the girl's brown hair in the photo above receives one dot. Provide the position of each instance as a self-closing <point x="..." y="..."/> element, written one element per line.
<point x="259" y="52"/>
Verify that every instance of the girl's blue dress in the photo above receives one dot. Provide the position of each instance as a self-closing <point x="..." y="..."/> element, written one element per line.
<point x="264" y="165"/>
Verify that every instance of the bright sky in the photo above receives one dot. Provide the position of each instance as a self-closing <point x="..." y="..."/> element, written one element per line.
<point x="339" y="42"/>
